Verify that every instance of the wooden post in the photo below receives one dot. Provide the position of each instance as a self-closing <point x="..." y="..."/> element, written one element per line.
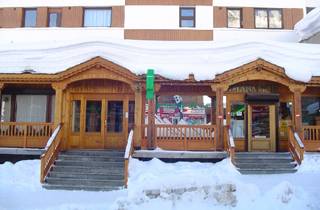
<point x="138" y="109"/>
<point x="297" y="114"/>
<point x="150" y="130"/>
<point x="219" y="89"/>
<point x="213" y="111"/>
<point x="58" y="104"/>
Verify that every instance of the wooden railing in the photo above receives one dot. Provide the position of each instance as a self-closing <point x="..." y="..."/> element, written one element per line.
<point x="229" y="143"/>
<point x="311" y="138"/>
<point x="52" y="150"/>
<point x="183" y="137"/>
<point x="295" y="144"/>
<point x="24" y="134"/>
<point x="127" y="155"/>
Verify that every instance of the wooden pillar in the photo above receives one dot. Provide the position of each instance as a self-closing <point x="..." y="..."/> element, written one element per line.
<point x="297" y="114"/>
<point x="213" y="111"/>
<point x="138" y="109"/>
<point x="219" y="90"/>
<point x="58" y="103"/>
<point x="151" y="123"/>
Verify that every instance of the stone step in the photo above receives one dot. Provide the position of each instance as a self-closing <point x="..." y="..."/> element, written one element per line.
<point x="267" y="171"/>
<point x="90" y="158"/>
<point x="265" y="165"/>
<point x="263" y="153"/>
<point x="95" y="176"/>
<point x="79" y="187"/>
<point x="84" y="182"/>
<point x="83" y="169"/>
<point x="90" y="163"/>
<point x="104" y="153"/>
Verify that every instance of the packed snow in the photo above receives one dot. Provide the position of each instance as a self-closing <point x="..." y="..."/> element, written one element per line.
<point x="309" y="25"/>
<point x="175" y="60"/>
<point x="157" y="185"/>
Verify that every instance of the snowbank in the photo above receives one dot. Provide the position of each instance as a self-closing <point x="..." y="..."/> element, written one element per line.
<point x="309" y="25"/>
<point x="174" y="60"/>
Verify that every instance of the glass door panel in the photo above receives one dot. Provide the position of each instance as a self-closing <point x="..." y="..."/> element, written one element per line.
<point x="260" y="121"/>
<point x="93" y="116"/>
<point x="115" y="116"/>
<point x="76" y="110"/>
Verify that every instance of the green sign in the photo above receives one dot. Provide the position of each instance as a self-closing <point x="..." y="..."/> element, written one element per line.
<point x="150" y="84"/>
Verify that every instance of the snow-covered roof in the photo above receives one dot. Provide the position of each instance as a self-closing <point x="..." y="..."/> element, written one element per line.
<point x="309" y="25"/>
<point x="174" y="60"/>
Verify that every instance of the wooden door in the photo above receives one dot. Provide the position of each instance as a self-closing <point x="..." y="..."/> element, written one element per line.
<point x="261" y="127"/>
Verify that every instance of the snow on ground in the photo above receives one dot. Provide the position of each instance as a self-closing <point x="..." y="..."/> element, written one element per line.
<point x="157" y="185"/>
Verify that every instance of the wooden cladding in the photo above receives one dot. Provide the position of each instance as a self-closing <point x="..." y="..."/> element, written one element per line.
<point x="169" y="2"/>
<point x="70" y="17"/>
<point x="170" y="35"/>
<point x="290" y="16"/>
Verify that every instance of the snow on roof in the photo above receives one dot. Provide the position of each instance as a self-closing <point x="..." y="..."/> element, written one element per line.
<point x="309" y="25"/>
<point x="174" y="60"/>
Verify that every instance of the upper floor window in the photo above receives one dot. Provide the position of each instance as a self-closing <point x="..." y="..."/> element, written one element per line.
<point x="30" y="17"/>
<point x="54" y="18"/>
<point x="268" y="18"/>
<point x="234" y="18"/>
<point x="187" y="17"/>
<point x="97" y="17"/>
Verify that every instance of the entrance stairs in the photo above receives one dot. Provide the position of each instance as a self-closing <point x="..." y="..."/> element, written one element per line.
<point x="265" y="162"/>
<point x="91" y="170"/>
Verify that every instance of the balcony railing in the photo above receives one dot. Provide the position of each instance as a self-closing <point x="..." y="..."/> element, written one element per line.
<point x="25" y="134"/>
<point x="311" y="136"/>
<point x="182" y="137"/>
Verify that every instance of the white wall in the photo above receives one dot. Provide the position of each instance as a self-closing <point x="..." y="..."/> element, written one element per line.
<point x="59" y="34"/>
<point x="59" y="3"/>
<point x="261" y="3"/>
<point x="228" y="34"/>
<point x="164" y="17"/>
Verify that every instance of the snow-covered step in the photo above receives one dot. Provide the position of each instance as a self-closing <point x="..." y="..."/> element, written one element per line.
<point x="265" y="163"/>
<point x="92" y="170"/>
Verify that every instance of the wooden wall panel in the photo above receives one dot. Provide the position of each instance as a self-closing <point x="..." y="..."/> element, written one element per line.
<point x="297" y="15"/>
<point x="11" y="17"/>
<point x="172" y="35"/>
<point x="42" y="17"/>
<point x="72" y="17"/>
<point x="220" y="17"/>
<point x="287" y="18"/>
<point x="169" y="2"/>
<point x="117" y="16"/>
<point x="248" y="17"/>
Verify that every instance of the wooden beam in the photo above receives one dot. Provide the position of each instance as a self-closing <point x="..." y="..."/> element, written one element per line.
<point x="219" y="118"/>
<point x="151" y="122"/>
<point x="138" y="109"/>
<point x="58" y="103"/>
<point x="297" y="113"/>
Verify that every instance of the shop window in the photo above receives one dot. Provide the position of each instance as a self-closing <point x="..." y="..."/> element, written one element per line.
<point x="76" y="109"/>
<point x="93" y="116"/>
<point x="6" y="108"/>
<point x="285" y="118"/>
<point x="237" y="122"/>
<point x="310" y="110"/>
<point x="31" y="108"/>
<point x="115" y="116"/>
<point x="187" y="17"/>
<point x="234" y="18"/>
<point x="97" y="17"/>
<point x="268" y="18"/>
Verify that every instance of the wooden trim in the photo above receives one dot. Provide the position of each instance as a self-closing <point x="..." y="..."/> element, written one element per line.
<point x="118" y="16"/>
<point x="169" y="2"/>
<point x="49" y="110"/>
<point x="219" y="15"/>
<point x="13" y="109"/>
<point x="169" y="34"/>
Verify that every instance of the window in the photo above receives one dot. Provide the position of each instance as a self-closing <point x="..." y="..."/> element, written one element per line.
<point x="97" y="17"/>
<point x="93" y="116"/>
<point x="268" y="18"/>
<point x="237" y="120"/>
<point x="309" y="9"/>
<point x="30" y="17"/>
<point x="285" y="116"/>
<point x="76" y="109"/>
<point x="115" y="116"/>
<point x="31" y="108"/>
<point x="54" y="19"/>
<point x="6" y="108"/>
<point x="310" y="110"/>
<point x="187" y="17"/>
<point x="234" y="18"/>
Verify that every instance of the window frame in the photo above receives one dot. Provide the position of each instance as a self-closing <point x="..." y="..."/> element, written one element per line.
<point x="96" y="8"/>
<point x="59" y="18"/>
<point x="24" y="17"/>
<point x="193" y="18"/>
<point x="241" y="16"/>
<point x="268" y="16"/>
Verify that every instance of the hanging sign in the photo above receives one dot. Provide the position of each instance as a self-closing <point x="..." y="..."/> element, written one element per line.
<point x="150" y="84"/>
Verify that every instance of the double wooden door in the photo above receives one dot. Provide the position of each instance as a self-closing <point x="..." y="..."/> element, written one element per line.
<point x="99" y="121"/>
<point x="262" y="127"/>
